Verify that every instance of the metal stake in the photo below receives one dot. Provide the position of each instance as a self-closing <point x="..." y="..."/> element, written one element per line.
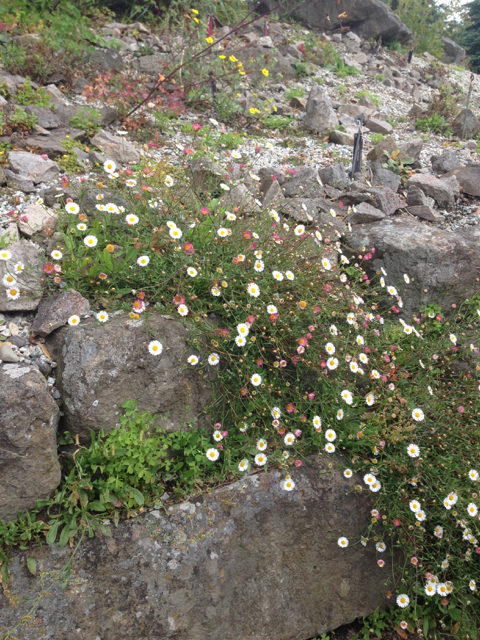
<point x="468" y="102"/>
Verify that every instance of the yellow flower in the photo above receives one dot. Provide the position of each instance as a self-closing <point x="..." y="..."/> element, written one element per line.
<point x="274" y="107"/>
<point x="195" y="12"/>
<point x="110" y="248"/>
<point x="222" y="57"/>
<point x="252" y="110"/>
<point x="265" y="72"/>
<point x="233" y="59"/>
<point x="209" y="40"/>
<point x="242" y="73"/>
<point x="197" y="20"/>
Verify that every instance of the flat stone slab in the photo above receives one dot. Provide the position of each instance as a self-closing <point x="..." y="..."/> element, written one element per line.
<point x="29" y="280"/>
<point x="252" y="561"/>
<point x="37" y="219"/>
<point x="54" y="312"/>
<point x="32" y="166"/>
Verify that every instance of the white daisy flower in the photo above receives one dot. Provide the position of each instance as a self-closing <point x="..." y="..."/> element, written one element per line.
<point x="192" y="272"/>
<point x="72" y="207"/>
<point x="317" y="423"/>
<point x="414" y="506"/>
<point x="169" y="181"/>
<point x="175" y="233"/>
<point x="347" y="396"/>
<point x="342" y="542"/>
<point x="82" y="226"/>
<point x="253" y="289"/>
<point x="212" y="454"/>
<point x="370" y="399"/>
<point x="213" y="359"/>
<point x="277" y="275"/>
<point x="73" y="321"/>
<point x="348" y="473"/>
<point x="330" y="435"/>
<point x="56" y="254"/>
<point x="12" y="293"/>
<point x="260" y="459"/>
<point x="406" y="278"/>
<point x="330" y="348"/>
<point x="418" y="415"/>
<point x="182" y="309"/>
<point x="420" y="515"/>
<point x="217" y="435"/>
<point x="131" y="183"/>
<point x="473" y="475"/>
<point x="256" y="379"/>
<point x="240" y="341"/>
<point x="109" y="166"/>
<point x="224" y="186"/>
<point x="289" y="439"/>
<point x="193" y="360"/>
<point x="340" y="414"/>
<point x="299" y="230"/>
<point x="369" y="479"/>
<point x="288" y="485"/>
<point x="438" y="532"/>
<point x="380" y="547"/>
<point x="102" y="316"/>
<point x="143" y="261"/>
<point x="9" y="280"/>
<point x="243" y="465"/>
<point x="326" y="264"/>
<point x="330" y="447"/>
<point x="332" y="363"/>
<point x="155" y="348"/>
<point x="19" y="266"/>
<point x="453" y="338"/>
<point x="259" y="266"/>
<point x="243" y="329"/>
<point x="111" y="208"/>
<point x="131" y="219"/>
<point x="290" y="275"/>
<point x="90" y="241"/>
<point x="430" y="589"/>
<point x="472" y="585"/>
<point x="271" y="309"/>
<point x="413" y="450"/>
<point x="472" y="510"/>
<point x="276" y="413"/>
<point x="375" y="486"/>
<point x="333" y="330"/>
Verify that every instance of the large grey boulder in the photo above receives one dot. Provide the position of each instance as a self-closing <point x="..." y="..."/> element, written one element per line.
<point x="29" y="468"/>
<point x="33" y="167"/>
<point x="320" y="116"/>
<point x="51" y="145"/>
<point x="443" y="190"/>
<point x="453" y="53"/>
<point x="367" y="18"/>
<point x="334" y="175"/>
<point x="305" y="183"/>
<point x="29" y="280"/>
<point x="443" y="266"/>
<point x="252" y="561"/>
<point x="116" y="148"/>
<point x="468" y="178"/>
<point x="36" y="218"/>
<point x="102" y="366"/>
<point x="46" y="118"/>
<point x="472" y="124"/>
<point x="384" y="177"/>
<point x="445" y="162"/>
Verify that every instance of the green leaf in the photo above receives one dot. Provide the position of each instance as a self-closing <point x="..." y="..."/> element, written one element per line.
<point x="52" y="532"/>
<point x="62" y="541"/>
<point x="425" y="626"/>
<point x="138" y="495"/>
<point x="32" y="565"/>
<point x="95" y="505"/>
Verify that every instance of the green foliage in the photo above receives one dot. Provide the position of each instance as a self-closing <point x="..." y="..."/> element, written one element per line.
<point x="341" y="69"/>
<point x="434" y="123"/>
<point x="399" y="167"/>
<point x="16" y="120"/>
<point x="469" y="35"/>
<point x="341" y="88"/>
<point x="379" y="77"/>
<point x="426" y="21"/>
<point x="395" y="45"/>
<point x="292" y="92"/>
<point x="69" y="161"/>
<point x="301" y="69"/>
<point x="4" y="89"/>
<point x="376" y="137"/>
<point x="88" y="119"/>
<point x="367" y="94"/>
<point x="278" y="122"/>
<point x="27" y="95"/>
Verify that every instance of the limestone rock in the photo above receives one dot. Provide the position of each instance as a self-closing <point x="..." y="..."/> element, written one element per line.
<point x="365" y="213"/>
<point x="29" y="281"/>
<point x="7" y="354"/>
<point x="21" y="183"/>
<point x="334" y="175"/>
<point x="378" y="126"/>
<point x="367" y="18"/>
<point x="54" y="311"/>
<point x="56" y="96"/>
<point x="151" y="65"/>
<point x="115" y="147"/>
<point x="426" y="213"/>
<point x="341" y="137"/>
<point x="306" y="183"/>
<point x="468" y="178"/>
<point x="102" y="366"/>
<point x="257" y="562"/>
<point x="320" y="116"/>
<point x="417" y="198"/>
<point x="442" y="190"/>
<point x="409" y="149"/>
<point x="443" y="265"/>
<point x="472" y="125"/>
<point x="386" y="200"/>
<point x="445" y="162"/>
<point x="51" y="145"/>
<point x="46" y="118"/>
<point x="453" y="53"/>
<point x="108" y="60"/>
<point x="38" y="218"/>
<point x="32" y="167"/>
<point x="384" y="177"/>
<point x="354" y="110"/>
<point x="29" y="468"/>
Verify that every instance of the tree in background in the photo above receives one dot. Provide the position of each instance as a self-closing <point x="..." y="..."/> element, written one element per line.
<point x="428" y="21"/>
<point x="469" y="37"/>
